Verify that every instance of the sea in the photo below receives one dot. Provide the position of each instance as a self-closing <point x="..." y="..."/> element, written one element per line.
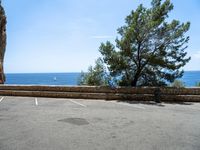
<point x="190" y="78"/>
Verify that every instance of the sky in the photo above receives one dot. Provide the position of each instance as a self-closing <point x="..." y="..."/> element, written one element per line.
<point x="65" y="35"/>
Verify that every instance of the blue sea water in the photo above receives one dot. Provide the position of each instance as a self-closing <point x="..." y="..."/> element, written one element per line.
<point x="190" y="78"/>
<point x="43" y="78"/>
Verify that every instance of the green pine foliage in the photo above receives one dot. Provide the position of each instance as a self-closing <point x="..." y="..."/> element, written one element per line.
<point x="149" y="50"/>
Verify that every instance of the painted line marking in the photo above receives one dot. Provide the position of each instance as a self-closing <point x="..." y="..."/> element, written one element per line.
<point x="1" y="99"/>
<point x="36" y="101"/>
<point x="130" y="105"/>
<point x="77" y="103"/>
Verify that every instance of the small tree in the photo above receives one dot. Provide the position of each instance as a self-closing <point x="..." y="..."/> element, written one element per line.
<point x="96" y="76"/>
<point x="198" y="84"/>
<point x="149" y="50"/>
<point x="178" y="84"/>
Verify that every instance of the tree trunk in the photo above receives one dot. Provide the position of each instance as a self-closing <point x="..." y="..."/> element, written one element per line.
<point x="134" y="83"/>
<point x="2" y="42"/>
<point x="135" y="80"/>
<point x="137" y="75"/>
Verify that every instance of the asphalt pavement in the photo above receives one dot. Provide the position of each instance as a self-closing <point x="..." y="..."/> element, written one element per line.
<point x="30" y="123"/>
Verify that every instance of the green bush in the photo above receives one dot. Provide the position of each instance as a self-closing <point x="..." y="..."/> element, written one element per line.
<point x="178" y="84"/>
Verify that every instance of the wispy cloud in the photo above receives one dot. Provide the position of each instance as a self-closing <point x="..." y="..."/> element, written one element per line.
<point x="102" y="37"/>
<point x="197" y="55"/>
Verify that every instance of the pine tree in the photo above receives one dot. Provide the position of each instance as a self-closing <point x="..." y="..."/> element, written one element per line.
<point x="149" y="50"/>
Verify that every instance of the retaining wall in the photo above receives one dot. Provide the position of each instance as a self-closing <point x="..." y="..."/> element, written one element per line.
<point x="106" y="93"/>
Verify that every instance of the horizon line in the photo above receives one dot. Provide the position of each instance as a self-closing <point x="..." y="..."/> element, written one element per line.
<point x="67" y="72"/>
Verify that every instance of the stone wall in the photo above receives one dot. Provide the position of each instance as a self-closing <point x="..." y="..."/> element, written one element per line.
<point x="105" y="93"/>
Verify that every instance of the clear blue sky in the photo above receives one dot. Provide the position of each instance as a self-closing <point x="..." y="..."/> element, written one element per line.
<point x="64" y="35"/>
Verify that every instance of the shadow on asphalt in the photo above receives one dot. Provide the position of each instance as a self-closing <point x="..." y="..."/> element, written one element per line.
<point x="180" y="103"/>
<point x="154" y="103"/>
<point x="143" y="102"/>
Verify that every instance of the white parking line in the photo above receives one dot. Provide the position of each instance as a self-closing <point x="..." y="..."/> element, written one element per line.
<point x="130" y="105"/>
<point x="77" y="103"/>
<point x="36" y="102"/>
<point x="1" y="99"/>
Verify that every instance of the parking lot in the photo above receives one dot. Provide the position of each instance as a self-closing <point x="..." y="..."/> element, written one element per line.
<point x="29" y="123"/>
